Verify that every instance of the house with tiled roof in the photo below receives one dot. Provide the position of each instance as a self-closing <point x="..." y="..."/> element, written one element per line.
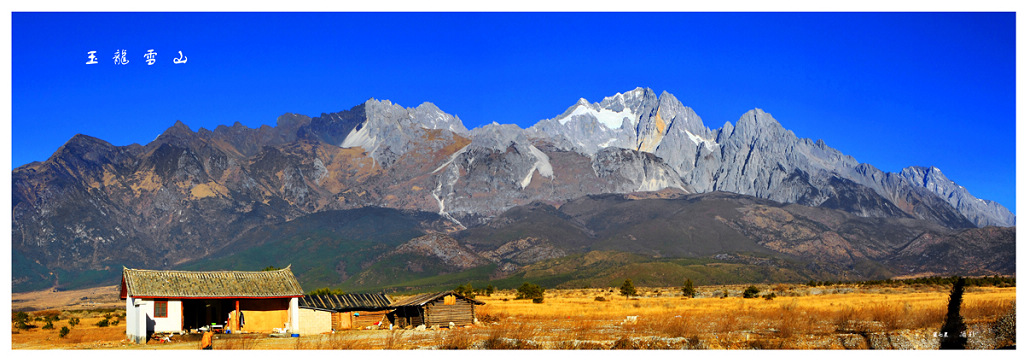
<point x="158" y="301"/>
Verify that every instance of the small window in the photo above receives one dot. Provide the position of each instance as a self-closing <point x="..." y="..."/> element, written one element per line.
<point x="449" y="300"/>
<point x="160" y="309"/>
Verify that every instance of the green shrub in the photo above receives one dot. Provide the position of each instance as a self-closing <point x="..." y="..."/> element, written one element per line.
<point x="64" y="332"/>
<point x="688" y="289"/>
<point x="20" y="316"/>
<point x="769" y="297"/>
<point x="530" y="291"/>
<point x="48" y="326"/>
<point x="466" y="290"/>
<point x="103" y="323"/>
<point x="600" y="298"/>
<point x="750" y="292"/>
<point x="73" y="321"/>
<point x="326" y="291"/>
<point x="627" y="288"/>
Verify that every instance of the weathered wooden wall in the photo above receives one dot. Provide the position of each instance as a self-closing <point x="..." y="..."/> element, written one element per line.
<point x="367" y="318"/>
<point x="407" y="316"/>
<point x="348" y="320"/>
<point x="341" y="321"/>
<point x="460" y="313"/>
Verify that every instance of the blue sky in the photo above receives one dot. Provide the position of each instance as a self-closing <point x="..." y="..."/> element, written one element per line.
<point x="890" y="89"/>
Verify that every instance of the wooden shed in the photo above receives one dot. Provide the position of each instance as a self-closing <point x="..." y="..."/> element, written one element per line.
<point x="350" y="311"/>
<point x="176" y="301"/>
<point x="438" y="309"/>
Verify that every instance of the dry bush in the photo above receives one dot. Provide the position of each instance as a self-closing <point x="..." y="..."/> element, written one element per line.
<point x="924" y="317"/>
<point x="394" y="340"/>
<point x="724" y="323"/>
<point x="517" y="335"/>
<point x="577" y="345"/>
<point x="243" y="342"/>
<point x="693" y="343"/>
<point x="763" y="344"/>
<point x="628" y="342"/>
<point x="308" y="343"/>
<point x="792" y="322"/>
<point x="459" y="339"/>
<point x="676" y="326"/>
<point x="845" y="320"/>
<point x="486" y="315"/>
<point x="46" y="314"/>
<point x="345" y="342"/>
<point x="887" y="315"/>
<point x="577" y="334"/>
<point x="988" y="311"/>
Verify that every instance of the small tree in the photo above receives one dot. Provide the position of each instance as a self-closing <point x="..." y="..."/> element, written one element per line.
<point x="326" y="291"/>
<point x="20" y="316"/>
<point x="688" y="289"/>
<point x="489" y="290"/>
<point x="627" y="289"/>
<point x="466" y="291"/>
<point x="73" y="321"/>
<point x="750" y="292"/>
<point x="64" y="332"/>
<point x="531" y="291"/>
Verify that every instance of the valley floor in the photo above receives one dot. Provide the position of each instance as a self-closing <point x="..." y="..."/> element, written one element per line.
<point x="799" y="317"/>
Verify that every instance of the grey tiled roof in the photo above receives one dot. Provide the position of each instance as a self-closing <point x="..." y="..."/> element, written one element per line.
<point x="196" y="284"/>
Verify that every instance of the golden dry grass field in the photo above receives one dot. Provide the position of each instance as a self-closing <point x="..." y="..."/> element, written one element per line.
<point x="799" y="317"/>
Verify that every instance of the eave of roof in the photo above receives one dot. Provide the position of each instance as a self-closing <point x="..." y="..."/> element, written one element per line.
<point x="209" y="284"/>
<point x="423" y="299"/>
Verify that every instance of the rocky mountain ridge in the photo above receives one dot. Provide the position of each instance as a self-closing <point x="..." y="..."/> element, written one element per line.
<point x="185" y="196"/>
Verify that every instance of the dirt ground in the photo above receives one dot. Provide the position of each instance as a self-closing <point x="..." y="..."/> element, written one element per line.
<point x="106" y="297"/>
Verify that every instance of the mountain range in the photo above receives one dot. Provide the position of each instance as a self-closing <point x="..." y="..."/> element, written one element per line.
<point x="453" y="201"/>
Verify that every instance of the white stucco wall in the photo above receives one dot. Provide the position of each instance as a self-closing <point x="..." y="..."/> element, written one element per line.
<point x="172" y="323"/>
<point x="293" y="315"/>
<point x="314" y="321"/>
<point x="133" y="329"/>
<point x="139" y="313"/>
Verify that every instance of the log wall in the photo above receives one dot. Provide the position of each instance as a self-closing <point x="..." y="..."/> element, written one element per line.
<point x="460" y="313"/>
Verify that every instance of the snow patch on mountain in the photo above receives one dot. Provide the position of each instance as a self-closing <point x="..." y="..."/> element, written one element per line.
<point x="451" y="159"/>
<point x="360" y="138"/>
<point x="697" y="140"/>
<point x="542" y="166"/>
<point x="609" y="118"/>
